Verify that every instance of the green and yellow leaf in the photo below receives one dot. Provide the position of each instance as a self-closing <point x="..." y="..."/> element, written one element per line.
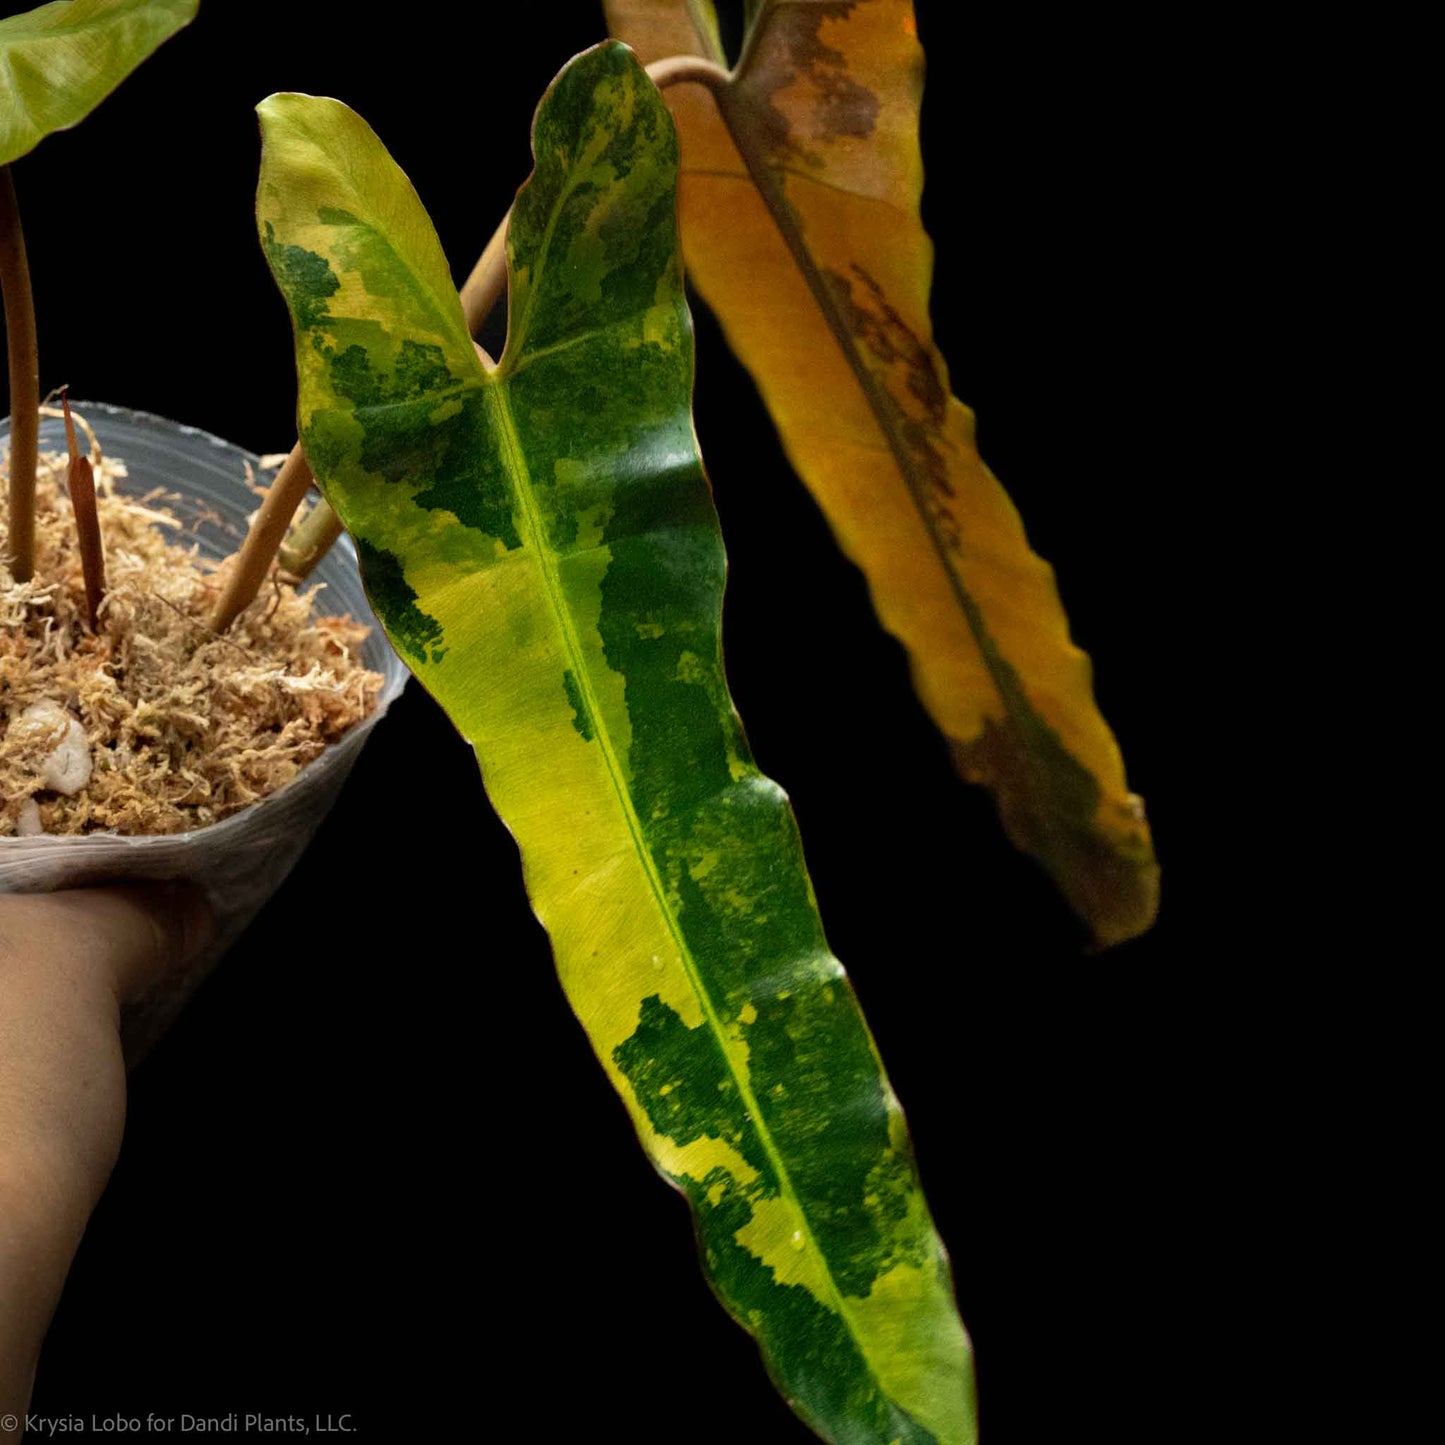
<point x="540" y="543"/>
<point x="800" y="221"/>
<point x="59" y="61"/>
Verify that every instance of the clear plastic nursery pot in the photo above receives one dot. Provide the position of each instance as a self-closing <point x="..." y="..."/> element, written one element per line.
<point x="240" y="861"/>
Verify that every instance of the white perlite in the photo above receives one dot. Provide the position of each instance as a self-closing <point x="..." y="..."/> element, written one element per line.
<point x="66" y="768"/>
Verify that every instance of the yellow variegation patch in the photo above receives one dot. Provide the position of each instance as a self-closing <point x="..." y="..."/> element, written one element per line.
<point x="60" y="60"/>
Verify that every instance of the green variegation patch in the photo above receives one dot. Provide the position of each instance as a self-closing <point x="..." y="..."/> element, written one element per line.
<point x="541" y="544"/>
<point x="59" y="61"/>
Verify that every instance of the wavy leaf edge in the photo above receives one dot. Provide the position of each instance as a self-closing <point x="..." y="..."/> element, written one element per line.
<point x="984" y="629"/>
<point x="722" y="1018"/>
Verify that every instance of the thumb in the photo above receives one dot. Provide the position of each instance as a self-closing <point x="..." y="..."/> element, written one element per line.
<point x="135" y="934"/>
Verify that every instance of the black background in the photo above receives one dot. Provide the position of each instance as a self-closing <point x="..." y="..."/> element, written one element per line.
<point x="375" y="1169"/>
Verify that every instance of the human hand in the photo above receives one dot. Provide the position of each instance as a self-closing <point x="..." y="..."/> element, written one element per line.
<point x="68" y="961"/>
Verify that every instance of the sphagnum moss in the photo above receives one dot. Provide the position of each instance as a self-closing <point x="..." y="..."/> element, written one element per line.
<point x="183" y="726"/>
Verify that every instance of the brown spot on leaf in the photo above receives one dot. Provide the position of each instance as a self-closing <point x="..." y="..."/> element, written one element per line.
<point x="1049" y="807"/>
<point x="904" y="365"/>
<point x="791" y="50"/>
<point x="892" y="341"/>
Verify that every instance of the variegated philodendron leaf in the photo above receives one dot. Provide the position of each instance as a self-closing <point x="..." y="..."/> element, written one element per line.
<point x="801" y="182"/>
<point x="59" y="61"/>
<point x="541" y="545"/>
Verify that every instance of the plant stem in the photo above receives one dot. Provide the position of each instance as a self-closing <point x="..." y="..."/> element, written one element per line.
<point x="80" y="483"/>
<point x="310" y="540"/>
<point x="313" y="537"/>
<point x="485" y="286"/>
<point x="680" y="69"/>
<point x="24" y="381"/>
<point x="250" y="566"/>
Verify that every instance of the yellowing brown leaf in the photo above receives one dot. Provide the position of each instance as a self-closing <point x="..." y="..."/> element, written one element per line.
<point x="801" y="229"/>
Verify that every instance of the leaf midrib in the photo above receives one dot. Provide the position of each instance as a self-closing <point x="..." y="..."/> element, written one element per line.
<point x="495" y="391"/>
<point x="515" y="460"/>
<point x="729" y="103"/>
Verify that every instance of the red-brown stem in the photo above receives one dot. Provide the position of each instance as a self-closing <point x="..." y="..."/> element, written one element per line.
<point x="488" y="282"/>
<point x="252" y="564"/>
<point x="479" y="294"/>
<point x="24" y="381"/>
<point x="80" y="483"/>
<point x="679" y="69"/>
